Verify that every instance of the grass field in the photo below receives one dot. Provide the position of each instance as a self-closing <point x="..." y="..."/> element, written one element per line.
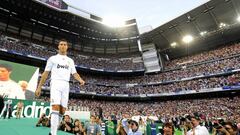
<point x="23" y="127"/>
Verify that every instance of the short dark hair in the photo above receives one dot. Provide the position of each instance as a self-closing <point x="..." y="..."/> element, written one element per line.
<point x="63" y="40"/>
<point x="196" y="116"/>
<point x="67" y="116"/>
<point x="168" y="124"/>
<point x="133" y="121"/>
<point x="76" y="121"/>
<point x="7" y="66"/>
<point x="93" y="116"/>
<point x="234" y="126"/>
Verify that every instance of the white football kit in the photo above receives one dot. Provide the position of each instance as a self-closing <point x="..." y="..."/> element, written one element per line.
<point x="10" y="89"/>
<point x="61" y="68"/>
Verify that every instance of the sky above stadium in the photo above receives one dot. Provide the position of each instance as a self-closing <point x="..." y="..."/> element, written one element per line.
<point x="147" y="12"/>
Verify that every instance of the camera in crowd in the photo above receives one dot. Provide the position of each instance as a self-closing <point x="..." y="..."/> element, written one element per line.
<point x="44" y="121"/>
<point x="185" y="118"/>
<point x="218" y="124"/>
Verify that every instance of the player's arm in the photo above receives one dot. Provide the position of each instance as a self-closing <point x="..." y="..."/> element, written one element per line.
<point x="42" y="81"/>
<point x="78" y="78"/>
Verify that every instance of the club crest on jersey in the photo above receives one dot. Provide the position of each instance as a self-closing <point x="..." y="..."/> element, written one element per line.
<point x="62" y="66"/>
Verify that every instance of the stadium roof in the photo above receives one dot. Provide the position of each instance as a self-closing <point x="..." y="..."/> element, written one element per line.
<point x="210" y="24"/>
<point x="154" y="12"/>
<point x="34" y="19"/>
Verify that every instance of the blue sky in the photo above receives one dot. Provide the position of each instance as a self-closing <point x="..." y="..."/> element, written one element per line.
<point x="147" y="12"/>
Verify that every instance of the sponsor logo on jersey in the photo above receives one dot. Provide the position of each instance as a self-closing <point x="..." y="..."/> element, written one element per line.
<point x="62" y="66"/>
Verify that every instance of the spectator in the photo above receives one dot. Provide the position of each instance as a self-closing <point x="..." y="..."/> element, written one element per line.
<point x="43" y="120"/>
<point x="133" y="128"/>
<point x="238" y="127"/>
<point x="197" y="128"/>
<point x="120" y="130"/>
<point x="227" y="129"/>
<point x="168" y="129"/>
<point x="78" y="129"/>
<point x="66" y="125"/>
<point x="92" y="128"/>
<point x="20" y="106"/>
<point x="142" y="126"/>
<point x="231" y="128"/>
<point x="110" y="126"/>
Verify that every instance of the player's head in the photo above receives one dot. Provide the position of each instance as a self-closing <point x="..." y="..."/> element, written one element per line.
<point x="63" y="46"/>
<point x="5" y="71"/>
<point x="23" y="84"/>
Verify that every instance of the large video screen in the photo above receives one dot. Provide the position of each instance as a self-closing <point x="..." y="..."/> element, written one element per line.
<point x="18" y="81"/>
<point x="56" y="3"/>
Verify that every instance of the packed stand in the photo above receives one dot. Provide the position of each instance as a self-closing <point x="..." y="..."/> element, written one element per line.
<point x="109" y="64"/>
<point x="218" y="115"/>
<point x="204" y="69"/>
<point x="219" y="53"/>
<point x="174" y="87"/>
<point x="87" y="61"/>
<point x="223" y="65"/>
<point x="197" y="85"/>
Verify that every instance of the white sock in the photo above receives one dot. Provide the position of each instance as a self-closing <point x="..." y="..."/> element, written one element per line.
<point x="54" y="122"/>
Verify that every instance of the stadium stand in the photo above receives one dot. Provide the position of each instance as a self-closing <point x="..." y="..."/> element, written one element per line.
<point x="200" y="80"/>
<point x="27" y="48"/>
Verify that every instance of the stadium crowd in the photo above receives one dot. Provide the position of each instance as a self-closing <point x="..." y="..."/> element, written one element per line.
<point x="178" y="86"/>
<point x="113" y="63"/>
<point x="198" y="70"/>
<point x="222" y="60"/>
<point x="210" y="111"/>
<point x="118" y="64"/>
<point x="219" y="53"/>
<point x="214" y="57"/>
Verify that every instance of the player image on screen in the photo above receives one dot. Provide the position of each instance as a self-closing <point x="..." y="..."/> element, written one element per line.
<point x="61" y="67"/>
<point x="8" y="87"/>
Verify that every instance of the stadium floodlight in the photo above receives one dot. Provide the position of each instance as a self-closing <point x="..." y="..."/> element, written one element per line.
<point x="222" y="25"/>
<point x="238" y="19"/>
<point x="113" y="21"/>
<point x="203" y="33"/>
<point x="174" y="44"/>
<point x="187" y="39"/>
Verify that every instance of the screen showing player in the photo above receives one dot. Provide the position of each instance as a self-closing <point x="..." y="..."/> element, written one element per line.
<point x="18" y="81"/>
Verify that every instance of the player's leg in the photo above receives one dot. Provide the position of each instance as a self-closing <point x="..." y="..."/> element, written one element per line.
<point x="62" y="110"/>
<point x="55" y="119"/>
<point x="64" y="99"/>
<point x="55" y="96"/>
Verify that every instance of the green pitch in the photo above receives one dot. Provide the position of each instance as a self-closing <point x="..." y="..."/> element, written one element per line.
<point x="23" y="127"/>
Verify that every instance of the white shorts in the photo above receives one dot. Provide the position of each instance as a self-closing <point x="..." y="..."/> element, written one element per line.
<point x="59" y="93"/>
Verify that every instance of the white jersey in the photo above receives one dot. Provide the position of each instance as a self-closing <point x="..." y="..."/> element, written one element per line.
<point x="11" y="89"/>
<point x="199" y="130"/>
<point x="61" y="66"/>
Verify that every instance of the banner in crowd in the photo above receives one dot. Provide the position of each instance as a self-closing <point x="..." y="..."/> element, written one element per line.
<point x="233" y="87"/>
<point x="18" y="81"/>
<point x="31" y="109"/>
<point x="34" y="109"/>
